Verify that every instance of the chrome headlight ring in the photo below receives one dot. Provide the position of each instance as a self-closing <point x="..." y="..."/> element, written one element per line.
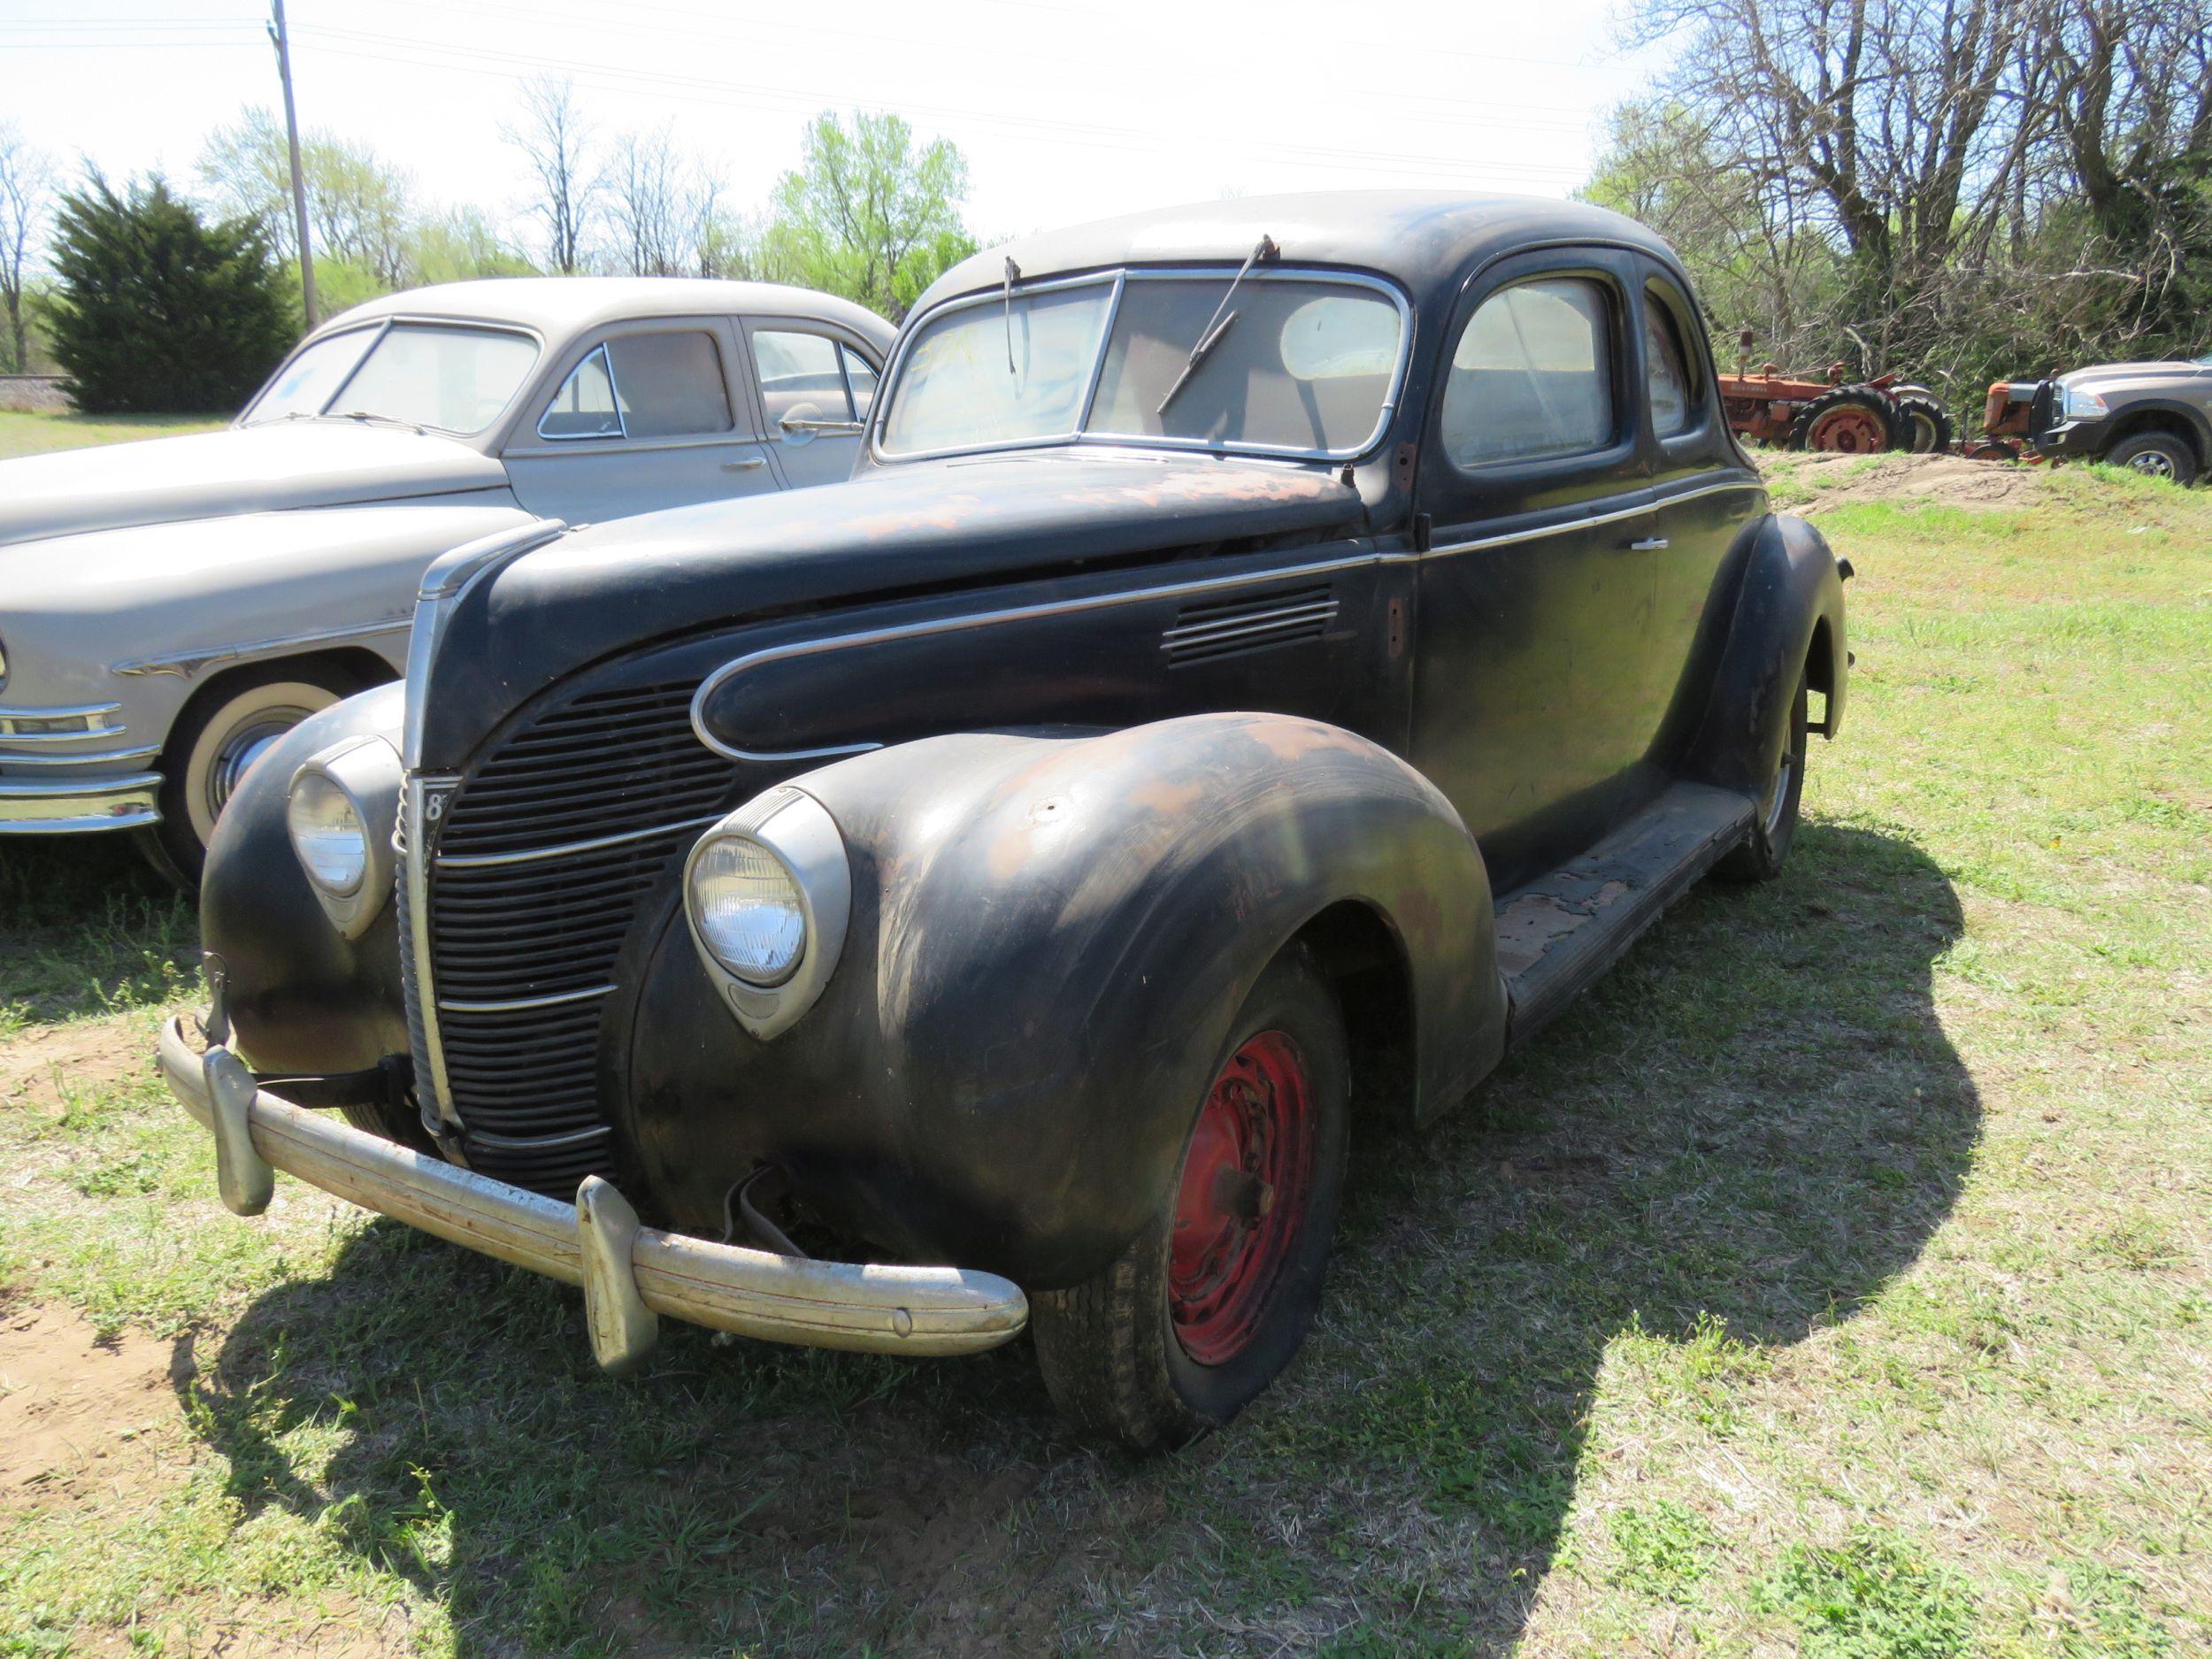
<point x="356" y="779"/>
<point x="781" y="848"/>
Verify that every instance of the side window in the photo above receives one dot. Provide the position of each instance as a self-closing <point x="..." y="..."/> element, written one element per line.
<point x="1669" y="375"/>
<point x="644" y="386"/>
<point x="585" y="406"/>
<point x="799" y="374"/>
<point x="860" y="376"/>
<point x="1531" y="375"/>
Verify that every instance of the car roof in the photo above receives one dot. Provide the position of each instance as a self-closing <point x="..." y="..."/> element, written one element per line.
<point x="558" y="307"/>
<point x="1425" y="239"/>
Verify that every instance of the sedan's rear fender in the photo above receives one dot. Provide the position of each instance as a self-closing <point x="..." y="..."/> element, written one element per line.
<point x="1049" y="938"/>
<point x="1788" y="617"/>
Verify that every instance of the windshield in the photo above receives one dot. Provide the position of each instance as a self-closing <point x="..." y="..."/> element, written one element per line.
<point x="422" y="374"/>
<point x="1307" y="368"/>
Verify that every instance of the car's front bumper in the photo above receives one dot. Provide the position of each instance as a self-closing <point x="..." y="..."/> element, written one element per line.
<point x="630" y="1272"/>
<point x="2073" y="440"/>
<point x="51" y="785"/>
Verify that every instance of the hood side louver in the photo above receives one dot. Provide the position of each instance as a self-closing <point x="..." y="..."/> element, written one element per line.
<point x="1215" y="628"/>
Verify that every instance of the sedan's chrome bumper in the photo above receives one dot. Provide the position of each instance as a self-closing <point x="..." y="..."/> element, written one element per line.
<point x="76" y="806"/>
<point x="630" y="1274"/>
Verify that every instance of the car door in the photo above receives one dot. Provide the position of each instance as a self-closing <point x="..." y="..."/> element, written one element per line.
<point x="1702" y="492"/>
<point x="648" y="415"/>
<point x="1536" y="591"/>
<point x="816" y="388"/>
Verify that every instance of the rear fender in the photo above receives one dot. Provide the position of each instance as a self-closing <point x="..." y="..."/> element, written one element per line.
<point x="1049" y="939"/>
<point x="1789" y="619"/>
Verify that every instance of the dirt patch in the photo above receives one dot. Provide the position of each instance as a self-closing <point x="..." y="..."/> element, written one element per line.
<point x="37" y="1063"/>
<point x="1950" y="479"/>
<point x="76" y="1408"/>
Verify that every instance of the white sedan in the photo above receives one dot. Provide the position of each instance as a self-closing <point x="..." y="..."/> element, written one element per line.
<point x="168" y="608"/>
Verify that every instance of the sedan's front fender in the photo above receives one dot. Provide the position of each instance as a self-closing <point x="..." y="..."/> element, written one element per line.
<point x="1049" y="939"/>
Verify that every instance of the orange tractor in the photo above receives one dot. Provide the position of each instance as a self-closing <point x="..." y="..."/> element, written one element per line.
<point x="1863" y="417"/>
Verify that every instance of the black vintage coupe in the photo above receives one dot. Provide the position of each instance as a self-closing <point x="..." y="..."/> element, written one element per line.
<point x="1272" y="654"/>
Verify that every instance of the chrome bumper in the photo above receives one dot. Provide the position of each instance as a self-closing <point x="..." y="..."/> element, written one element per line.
<point x="630" y="1272"/>
<point x="76" y="806"/>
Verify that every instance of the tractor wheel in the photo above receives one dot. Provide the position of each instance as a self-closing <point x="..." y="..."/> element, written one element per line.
<point x="1846" y="420"/>
<point x="1923" y="426"/>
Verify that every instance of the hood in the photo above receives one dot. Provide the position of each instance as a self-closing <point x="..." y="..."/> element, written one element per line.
<point x="2136" y="373"/>
<point x="250" y="469"/>
<point x="896" y="531"/>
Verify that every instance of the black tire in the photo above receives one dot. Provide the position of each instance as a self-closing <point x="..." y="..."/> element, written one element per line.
<point x="1860" y="411"/>
<point x="219" y="732"/>
<point x="2156" y="455"/>
<point x="1114" y="1358"/>
<point x="1765" y="851"/>
<point x="1923" y="426"/>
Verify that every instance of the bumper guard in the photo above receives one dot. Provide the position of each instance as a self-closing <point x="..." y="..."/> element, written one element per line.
<point x="631" y="1273"/>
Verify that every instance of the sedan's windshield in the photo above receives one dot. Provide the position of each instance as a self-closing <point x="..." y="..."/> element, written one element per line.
<point x="419" y="375"/>
<point x="1307" y="369"/>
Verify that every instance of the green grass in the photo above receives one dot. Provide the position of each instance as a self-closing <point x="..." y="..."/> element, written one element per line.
<point x="1831" y="1281"/>
<point x="37" y="433"/>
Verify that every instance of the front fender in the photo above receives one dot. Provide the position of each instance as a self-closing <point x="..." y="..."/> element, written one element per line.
<point x="1050" y="938"/>
<point x="302" y="997"/>
<point x="1788" y="617"/>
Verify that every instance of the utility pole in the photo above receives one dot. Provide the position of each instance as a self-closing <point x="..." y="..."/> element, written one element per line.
<point x="283" y="44"/>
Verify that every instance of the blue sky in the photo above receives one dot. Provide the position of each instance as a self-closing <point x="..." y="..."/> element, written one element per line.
<point x="1067" y="110"/>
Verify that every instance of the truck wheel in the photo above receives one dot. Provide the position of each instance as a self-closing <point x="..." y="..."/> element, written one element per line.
<point x="2156" y="455"/>
<point x="1923" y="426"/>
<point x="1214" y="1296"/>
<point x="1846" y="420"/>
<point x="1761" y="857"/>
<point x="220" y="734"/>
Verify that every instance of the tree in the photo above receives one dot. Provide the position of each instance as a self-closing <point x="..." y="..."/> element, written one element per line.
<point x="651" y="200"/>
<point x="867" y="214"/>
<point x="555" y="140"/>
<point x="26" y="188"/>
<point x="358" y="204"/>
<point x="458" y="244"/>
<point x="159" y="312"/>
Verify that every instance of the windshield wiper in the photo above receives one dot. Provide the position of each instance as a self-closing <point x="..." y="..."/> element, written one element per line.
<point x="1219" y="323"/>
<point x="370" y="416"/>
<point x="1013" y="276"/>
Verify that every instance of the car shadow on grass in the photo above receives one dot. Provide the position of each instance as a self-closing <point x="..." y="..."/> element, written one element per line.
<point x="1744" y="1134"/>
<point x="86" y="928"/>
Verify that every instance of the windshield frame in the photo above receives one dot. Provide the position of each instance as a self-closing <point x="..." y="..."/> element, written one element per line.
<point x="1117" y="278"/>
<point x="382" y="326"/>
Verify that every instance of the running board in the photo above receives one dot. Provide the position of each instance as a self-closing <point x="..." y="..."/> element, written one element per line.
<point x="1560" y="932"/>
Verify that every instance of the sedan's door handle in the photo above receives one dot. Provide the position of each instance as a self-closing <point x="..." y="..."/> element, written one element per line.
<point x="794" y="422"/>
<point x="1649" y="544"/>
<point x="746" y="464"/>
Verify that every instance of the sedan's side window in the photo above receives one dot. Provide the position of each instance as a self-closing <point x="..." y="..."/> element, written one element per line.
<point x="666" y="385"/>
<point x="800" y="376"/>
<point x="1673" y="384"/>
<point x="1531" y="375"/>
<point x="860" y="378"/>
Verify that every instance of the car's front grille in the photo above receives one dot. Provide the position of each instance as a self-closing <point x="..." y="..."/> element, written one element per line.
<point x="547" y="848"/>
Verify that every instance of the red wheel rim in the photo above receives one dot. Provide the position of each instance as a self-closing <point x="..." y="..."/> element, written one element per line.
<point x="1242" y="1197"/>
<point x="1847" y="430"/>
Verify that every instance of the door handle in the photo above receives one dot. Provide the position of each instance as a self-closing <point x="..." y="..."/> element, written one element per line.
<point x="747" y="463"/>
<point x="794" y="422"/>
<point x="1649" y="544"/>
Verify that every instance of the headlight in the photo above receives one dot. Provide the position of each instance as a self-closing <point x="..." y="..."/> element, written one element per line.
<point x="749" y="911"/>
<point x="2081" y="405"/>
<point x="767" y="892"/>
<point x="327" y="833"/>
<point x="340" y="810"/>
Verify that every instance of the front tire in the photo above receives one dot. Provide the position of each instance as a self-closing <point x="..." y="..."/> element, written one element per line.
<point x="220" y="734"/>
<point x="2156" y="455"/>
<point x="1214" y="1297"/>
<point x="1765" y="851"/>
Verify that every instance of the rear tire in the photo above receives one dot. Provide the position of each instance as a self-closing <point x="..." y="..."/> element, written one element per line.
<point x="1846" y="420"/>
<point x="1923" y="426"/>
<point x="1764" y="853"/>
<point x="220" y="734"/>
<point x="2156" y="455"/>
<point x="1214" y="1296"/>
